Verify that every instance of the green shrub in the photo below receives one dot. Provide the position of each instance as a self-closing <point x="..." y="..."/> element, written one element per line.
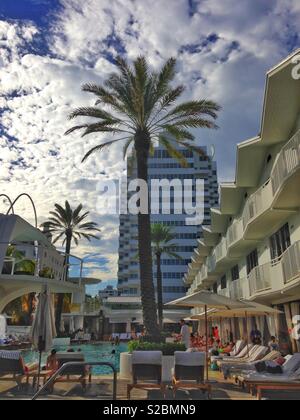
<point x="167" y="349"/>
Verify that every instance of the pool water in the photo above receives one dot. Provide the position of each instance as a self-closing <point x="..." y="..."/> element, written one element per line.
<point x="93" y="353"/>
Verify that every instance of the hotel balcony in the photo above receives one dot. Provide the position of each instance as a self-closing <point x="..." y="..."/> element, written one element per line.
<point x="271" y="204"/>
<point x="239" y="289"/>
<point x="274" y="278"/>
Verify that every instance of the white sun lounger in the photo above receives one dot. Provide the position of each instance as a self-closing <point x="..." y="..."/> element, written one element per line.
<point x="227" y="368"/>
<point x="291" y="372"/>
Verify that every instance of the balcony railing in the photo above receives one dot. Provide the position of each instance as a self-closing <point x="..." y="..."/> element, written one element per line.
<point x="34" y="259"/>
<point x="221" y="250"/>
<point x="224" y="292"/>
<point x="260" y="279"/>
<point x="257" y="203"/>
<point x="287" y="162"/>
<point x="235" y="232"/>
<point x="237" y="289"/>
<point x="291" y="263"/>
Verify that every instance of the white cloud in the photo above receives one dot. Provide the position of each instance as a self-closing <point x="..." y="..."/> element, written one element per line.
<point x="223" y="50"/>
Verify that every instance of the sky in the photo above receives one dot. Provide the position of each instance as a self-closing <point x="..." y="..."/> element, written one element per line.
<point x="49" y="48"/>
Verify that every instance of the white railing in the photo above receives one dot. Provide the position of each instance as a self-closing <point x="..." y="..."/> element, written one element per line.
<point x="211" y="263"/>
<point x="24" y="258"/>
<point x="221" y="250"/>
<point x="260" y="279"/>
<point x="237" y="289"/>
<point x="291" y="263"/>
<point x="203" y="272"/>
<point x="287" y="162"/>
<point x="224" y="292"/>
<point x="257" y="203"/>
<point x="235" y="232"/>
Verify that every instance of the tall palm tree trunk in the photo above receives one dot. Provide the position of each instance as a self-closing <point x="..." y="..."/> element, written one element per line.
<point x="159" y="291"/>
<point x="144" y="244"/>
<point x="61" y="296"/>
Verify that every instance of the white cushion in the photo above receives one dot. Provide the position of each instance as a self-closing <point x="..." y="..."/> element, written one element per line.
<point x="183" y="358"/>
<point x="10" y="354"/>
<point x="292" y="364"/>
<point x="147" y="358"/>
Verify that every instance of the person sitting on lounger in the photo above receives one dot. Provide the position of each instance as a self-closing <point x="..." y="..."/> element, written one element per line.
<point x="52" y="362"/>
<point x="273" y="344"/>
<point x="227" y="349"/>
<point x="256" y="336"/>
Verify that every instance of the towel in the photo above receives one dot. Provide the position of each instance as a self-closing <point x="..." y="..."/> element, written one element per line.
<point x="10" y="355"/>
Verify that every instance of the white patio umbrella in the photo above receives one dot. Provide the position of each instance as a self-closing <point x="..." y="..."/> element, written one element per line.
<point x="43" y="327"/>
<point x="208" y="300"/>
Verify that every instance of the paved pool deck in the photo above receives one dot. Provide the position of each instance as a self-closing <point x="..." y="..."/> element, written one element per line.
<point x="101" y="389"/>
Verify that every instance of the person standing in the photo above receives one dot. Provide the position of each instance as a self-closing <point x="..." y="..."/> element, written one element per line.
<point x="185" y="335"/>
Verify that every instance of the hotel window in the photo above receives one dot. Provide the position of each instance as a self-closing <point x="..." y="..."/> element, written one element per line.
<point x="280" y="242"/>
<point x="235" y="273"/>
<point x="223" y="283"/>
<point x="252" y="261"/>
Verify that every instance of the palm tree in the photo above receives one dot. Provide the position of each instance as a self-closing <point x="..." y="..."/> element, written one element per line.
<point x="68" y="225"/>
<point x="162" y="243"/>
<point x="138" y="105"/>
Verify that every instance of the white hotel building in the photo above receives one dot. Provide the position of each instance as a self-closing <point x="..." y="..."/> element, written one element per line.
<point x="252" y="248"/>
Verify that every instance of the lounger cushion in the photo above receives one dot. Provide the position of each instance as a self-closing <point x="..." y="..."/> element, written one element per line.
<point x="242" y="354"/>
<point x="147" y="358"/>
<point x="292" y="364"/>
<point x="183" y="358"/>
<point x="10" y="355"/>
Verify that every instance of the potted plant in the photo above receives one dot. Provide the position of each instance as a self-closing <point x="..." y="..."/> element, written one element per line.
<point x="47" y="273"/>
<point x="25" y="267"/>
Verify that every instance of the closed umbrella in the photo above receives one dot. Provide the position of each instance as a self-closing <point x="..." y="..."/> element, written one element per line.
<point x="208" y="300"/>
<point x="62" y="325"/>
<point x="71" y="325"/>
<point x="43" y="328"/>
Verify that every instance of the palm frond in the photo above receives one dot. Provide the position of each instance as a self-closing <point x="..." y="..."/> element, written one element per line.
<point x="100" y="147"/>
<point x="178" y="133"/>
<point x="94" y="113"/>
<point x="173" y="151"/>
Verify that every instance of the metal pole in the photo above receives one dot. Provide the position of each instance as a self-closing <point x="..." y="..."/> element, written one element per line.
<point x="247" y="332"/>
<point x="206" y="328"/>
<point x="39" y="371"/>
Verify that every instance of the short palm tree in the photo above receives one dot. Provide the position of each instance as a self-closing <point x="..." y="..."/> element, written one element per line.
<point x="69" y="225"/>
<point x="138" y="105"/>
<point x="162" y="243"/>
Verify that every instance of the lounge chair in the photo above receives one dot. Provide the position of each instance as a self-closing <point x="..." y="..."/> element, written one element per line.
<point x="258" y="355"/>
<point x="243" y="356"/>
<point x="73" y="374"/>
<point x="250" y="366"/>
<point x="13" y="369"/>
<point x="293" y="384"/>
<point x="146" y="371"/>
<point x="290" y="375"/>
<point x="189" y="372"/>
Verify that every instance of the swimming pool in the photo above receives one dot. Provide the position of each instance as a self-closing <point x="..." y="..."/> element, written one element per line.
<point x="101" y="352"/>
